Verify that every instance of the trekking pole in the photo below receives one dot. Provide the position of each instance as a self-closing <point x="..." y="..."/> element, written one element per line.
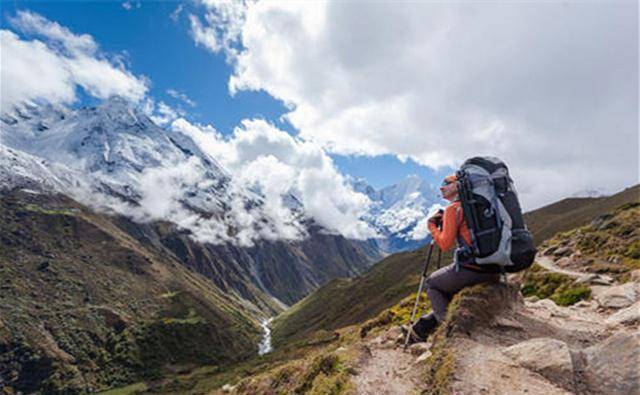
<point x="415" y="306"/>
<point x="439" y="257"/>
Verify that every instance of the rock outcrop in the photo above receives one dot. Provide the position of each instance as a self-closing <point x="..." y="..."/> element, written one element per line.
<point x="547" y="356"/>
<point x="613" y="366"/>
<point x="618" y="296"/>
<point x="496" y="343"/>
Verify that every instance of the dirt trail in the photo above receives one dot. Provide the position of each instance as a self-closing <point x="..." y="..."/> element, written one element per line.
<point x="385" y="369"/>
<point x="548" y="264"/>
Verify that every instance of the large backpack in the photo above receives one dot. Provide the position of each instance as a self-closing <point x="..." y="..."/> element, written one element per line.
<point x="491" y="209"/>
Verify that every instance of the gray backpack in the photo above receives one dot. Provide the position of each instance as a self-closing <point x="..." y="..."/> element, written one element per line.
<point x="500" y="239"/>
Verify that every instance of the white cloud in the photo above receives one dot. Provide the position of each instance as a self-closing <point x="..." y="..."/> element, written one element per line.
<point x="163" y="190"/>
<point x="50" y="70"/>
<point x="129" y="5"/>
<point x="177" y="12"/>
<point x="421" y="230"/>
<point x="223" y="21"/>
<point x="160" y="112"/>
<point x="551" y="88"/>
<point x="181" y="96"/>
<point x="32" y="23"/>
<point x="260" y="155"/>
<point x="21" y="60"/>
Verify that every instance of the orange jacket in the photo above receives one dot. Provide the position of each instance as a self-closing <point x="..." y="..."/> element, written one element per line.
<point x="453" y="222"/>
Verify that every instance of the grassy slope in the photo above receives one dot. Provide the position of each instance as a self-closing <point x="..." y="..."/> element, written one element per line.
<point x="84" y="306"/>
<point x="344" y="302"/>
<point x="347" y="301"/>
<point x="574" y="212"/>
<point x="610" y="244"/>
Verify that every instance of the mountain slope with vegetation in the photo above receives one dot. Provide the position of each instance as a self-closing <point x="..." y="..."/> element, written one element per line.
<point x="556" y="339"/>
<point x="84" y="306"/>
<point x="570" y="213"/>
<point x="390" y="280"/>
<point x="286" y="270"/>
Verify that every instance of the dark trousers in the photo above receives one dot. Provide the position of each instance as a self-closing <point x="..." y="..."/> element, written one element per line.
<point x="442" y="285"/>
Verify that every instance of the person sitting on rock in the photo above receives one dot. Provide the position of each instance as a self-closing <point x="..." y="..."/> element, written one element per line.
<point x="446" y="228"/>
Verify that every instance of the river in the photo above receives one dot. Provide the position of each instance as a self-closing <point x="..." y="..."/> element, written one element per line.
<point x="265" y="344"/>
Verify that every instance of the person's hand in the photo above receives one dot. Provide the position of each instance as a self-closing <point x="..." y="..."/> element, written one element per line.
<point x="436" y="218"/>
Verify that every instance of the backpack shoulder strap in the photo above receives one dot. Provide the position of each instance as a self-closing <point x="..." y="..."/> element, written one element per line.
<point x="461" y="240"/>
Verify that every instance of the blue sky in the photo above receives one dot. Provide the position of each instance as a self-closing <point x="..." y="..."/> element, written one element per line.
<point x="161" y="48"/>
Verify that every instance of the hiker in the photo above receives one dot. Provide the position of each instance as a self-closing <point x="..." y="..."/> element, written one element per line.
<point x="448" y="227"/>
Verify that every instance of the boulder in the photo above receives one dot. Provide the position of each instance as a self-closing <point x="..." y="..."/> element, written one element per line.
<point x="564" y="262"/>
<point x="618" y="296"/>
<point x="586" y="278"/>
<point x="478" y="306"/>
<point x="582" y="304"/>
<point x="531" y="299"/>
<point x="563" y="251"/>
<point x="596" y="279"/>
<point x="227" y="388"/>
<point x="613" y="366"/>
<point x="547" y="356"/>
<point x="602" y="279"/>
<point x="635" y="275"/>
<point x="419" y="348"/>
<point x="423" y="357"/>
<point x="628" y="316"/>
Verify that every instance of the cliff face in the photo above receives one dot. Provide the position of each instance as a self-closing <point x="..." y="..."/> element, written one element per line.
<point x="286" y="270"/>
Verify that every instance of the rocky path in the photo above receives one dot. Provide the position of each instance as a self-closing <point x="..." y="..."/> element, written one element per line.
<point x="547" y="263"/>
<point x="537" y="347"/>
<point x="533" y="347"/>
<point x="385" y="369"/>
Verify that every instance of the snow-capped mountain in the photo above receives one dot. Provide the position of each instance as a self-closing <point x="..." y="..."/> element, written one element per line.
<point x="399" y="212"/>
<point x="112" y="141"/>
<point x="114" y="156"/>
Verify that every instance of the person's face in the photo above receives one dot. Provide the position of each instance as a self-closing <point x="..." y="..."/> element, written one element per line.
<point x="449" y="190"/>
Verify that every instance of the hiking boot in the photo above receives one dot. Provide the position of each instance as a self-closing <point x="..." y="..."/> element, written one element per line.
<point x="425" y="326"/>
<point x="413" y="336"/>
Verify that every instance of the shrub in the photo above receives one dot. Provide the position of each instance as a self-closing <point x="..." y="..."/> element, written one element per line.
<point x="571" y="295"/>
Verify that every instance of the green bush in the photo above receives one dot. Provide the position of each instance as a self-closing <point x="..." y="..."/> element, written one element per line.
<point x="324" y="364"/>
<point x="571" y="295"/>
<point x="557" y="287"/>
<point x="633" y="251"/>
